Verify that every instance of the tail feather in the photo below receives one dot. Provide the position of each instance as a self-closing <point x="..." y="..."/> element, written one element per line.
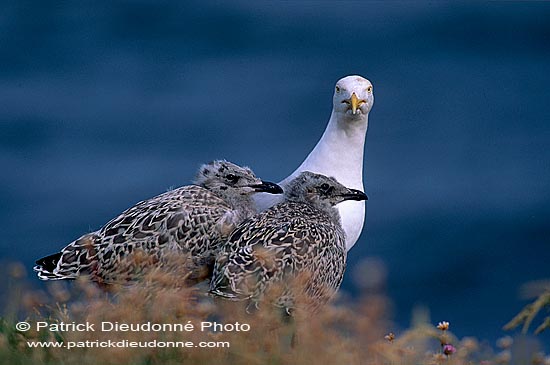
<point x="74" y="260"/>
<point x="49" y="263"/>
<point x="45" y="267"/>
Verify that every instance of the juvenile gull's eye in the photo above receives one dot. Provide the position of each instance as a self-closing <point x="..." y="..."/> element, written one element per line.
<point x="325" y="186"/>
<point x="232" y="178"/>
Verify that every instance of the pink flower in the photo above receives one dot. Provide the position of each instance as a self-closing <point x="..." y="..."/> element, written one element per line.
<point x="449" y="349"/>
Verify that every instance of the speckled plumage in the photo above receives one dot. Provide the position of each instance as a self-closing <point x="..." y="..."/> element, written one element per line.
<point x="190" y="220"/>
<point x="299" y="239"/>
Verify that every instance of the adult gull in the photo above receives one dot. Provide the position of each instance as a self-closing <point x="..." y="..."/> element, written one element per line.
<point x="339" y="152"/>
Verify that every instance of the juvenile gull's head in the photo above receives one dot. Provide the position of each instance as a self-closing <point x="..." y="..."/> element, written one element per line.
<point x="226" y="179"/>
<point x="321" y="191"/>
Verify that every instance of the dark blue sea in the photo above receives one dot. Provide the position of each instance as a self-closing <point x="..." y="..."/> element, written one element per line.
<point x="103" y="104"/>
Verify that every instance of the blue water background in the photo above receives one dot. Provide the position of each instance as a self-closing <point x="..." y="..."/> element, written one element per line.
<point x="103" y="104"/>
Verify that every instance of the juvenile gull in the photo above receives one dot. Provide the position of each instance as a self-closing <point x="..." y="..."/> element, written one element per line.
<point x="339" y="152"/>
<point x="296" y="248"/>
<point x="191" y="220"/>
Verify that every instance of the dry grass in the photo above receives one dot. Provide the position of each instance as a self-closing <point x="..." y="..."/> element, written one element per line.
<point x="540" y="290"/>
<point x="342" y="333"/>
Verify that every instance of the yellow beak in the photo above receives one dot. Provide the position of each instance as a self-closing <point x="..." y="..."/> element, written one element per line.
<point x="355" y="103"/>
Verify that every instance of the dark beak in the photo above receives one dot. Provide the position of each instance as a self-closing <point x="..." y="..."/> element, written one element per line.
<point x="267" y="187"/>
<point x="355" y="195"/>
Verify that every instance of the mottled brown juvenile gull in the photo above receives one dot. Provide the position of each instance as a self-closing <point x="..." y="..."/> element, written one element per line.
<point x="191" y="220"/>
<point x="296" y="247"/>
<point x="339" y="152"/>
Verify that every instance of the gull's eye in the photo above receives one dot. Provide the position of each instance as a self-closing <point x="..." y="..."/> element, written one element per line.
<point x="325" y="189"/>
<point x="337" y="88"/>
<point x="232" y="178"/>
<point x="369" y="89"/>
